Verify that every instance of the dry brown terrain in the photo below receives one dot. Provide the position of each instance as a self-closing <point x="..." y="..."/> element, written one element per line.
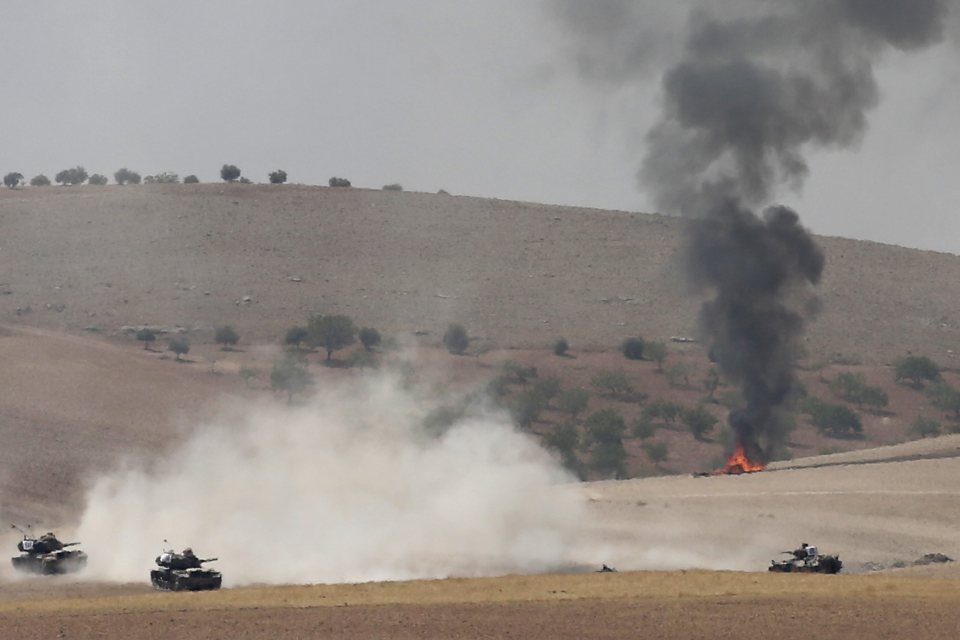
<point x="78" y="396"/>
<point x="626" y="605"/>
<point x="523" y="274"/>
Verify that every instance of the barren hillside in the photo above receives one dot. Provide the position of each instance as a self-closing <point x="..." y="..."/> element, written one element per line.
<point x="264" y="257"/>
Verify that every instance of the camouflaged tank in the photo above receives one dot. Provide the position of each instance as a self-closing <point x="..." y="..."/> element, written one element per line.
<point x="806" y="559"/>
<point x="184" y="572"/>
<point x="47" y="555"/>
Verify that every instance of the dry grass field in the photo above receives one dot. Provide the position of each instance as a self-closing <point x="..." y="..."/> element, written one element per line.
<point x="674" y="605"/>
<point x="79" y="396"/>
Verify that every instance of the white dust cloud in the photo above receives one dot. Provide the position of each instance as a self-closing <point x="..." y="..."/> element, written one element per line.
<point x="345" y="488"/>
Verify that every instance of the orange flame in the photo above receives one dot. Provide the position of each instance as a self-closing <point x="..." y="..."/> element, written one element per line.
<point x="738" y="463"/>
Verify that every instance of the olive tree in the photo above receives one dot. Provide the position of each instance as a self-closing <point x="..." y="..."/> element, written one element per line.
<point x="13" y="179"/>
<point x="290" y="374"/>
<point x="226" y="336"/>
<point x="916" y="370"/>
<point x="179" y="345"/>
<point x="604" y="435"/>
<point x="229" y="173"/>
<point x="74" y="176"/>
<point x="369" y="338"/>
<point x="699" y="421"/>
<point x="632" y="348"/>
<point x="146" y="336"/>
<point x="332" y="333"/>
<point x="295" y="336"/>
<point x="124" y="176"/>
<point x="456" y="339"/>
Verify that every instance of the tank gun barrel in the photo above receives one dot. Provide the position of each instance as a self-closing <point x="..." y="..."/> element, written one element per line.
<point x="70" y="544"/>
<point x="207" y="559"/>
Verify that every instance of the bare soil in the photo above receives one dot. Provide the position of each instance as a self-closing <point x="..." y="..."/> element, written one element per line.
<point x="663" y="605"/>
<point x="264" y="257"/>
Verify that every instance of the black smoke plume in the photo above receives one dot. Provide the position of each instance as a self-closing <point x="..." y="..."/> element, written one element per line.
<point x="754" y="84"/>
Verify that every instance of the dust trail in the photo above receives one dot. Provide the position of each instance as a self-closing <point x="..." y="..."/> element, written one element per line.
<point x="348" y="487"/>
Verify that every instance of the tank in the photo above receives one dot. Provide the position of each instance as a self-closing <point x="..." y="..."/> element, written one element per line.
<point x="47" y="555"/>
<point x="184" y="571"/>
<point x="807" y="559"/>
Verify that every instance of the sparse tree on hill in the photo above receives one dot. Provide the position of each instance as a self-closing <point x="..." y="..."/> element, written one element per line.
<point x="548" y="388"/>
<point x="643" y="427"/>
<point x="146" y="336"/>
<point x="331" y="333"/>
<point x="290" y="374"/>
<point x="853" y="387"/>
<point x="13" y="179"/>
<point x="97" y="179"/>
<point x="679" y="372"/>
<point x="40" y="180"/>
<point x="560" y="347"/>
<point x="657" y="451"/>
<point x="369" y="338"/>
<point x="945" y="398"/>
<point x="295" y="336"/>
<point x="526" y="408"/>
<point x="125" y="176"/>
<point x="615" y="384"/>
<point x="191" y="179"/>
<point x="565" y="439"/>
<point x="916" y="369"/>
<point x="632" y="348"/>
<point x="834" y="420"/>
<point x="277" y="177"/>
<point x="925" y="427"/>
<point x="604" y="434"/>
<point x="573" y="401"/>
<point x="656" y="351"/>
<point x="229" y="173"/>
<point x="226" y="336"/>
<point x="339" y="182"/>
<point x="394" y="186"/>
<point x="179" y="345"/>
<point x="74" y="176"/>
<point x="166" y="177"/>
<point x="456" y="339"/>
<point x="516" y="373"/>
<point x="664" y="410"/>
<point x="699" y="421"/>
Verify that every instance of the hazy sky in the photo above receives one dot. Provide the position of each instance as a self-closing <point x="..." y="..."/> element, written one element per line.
<point x="477" y="97"/>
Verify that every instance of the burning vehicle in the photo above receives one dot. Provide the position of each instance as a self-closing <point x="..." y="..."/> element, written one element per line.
<point x="47" y="555"/>
<point x="184" y="572"/>
<point x="806" y="559"/>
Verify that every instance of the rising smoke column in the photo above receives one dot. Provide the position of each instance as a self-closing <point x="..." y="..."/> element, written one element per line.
<point x="754" y="85"/>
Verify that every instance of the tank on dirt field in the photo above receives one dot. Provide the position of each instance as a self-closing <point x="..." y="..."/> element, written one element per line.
<point x="184" y="571"/>
<point x="807" y="559"/>
<point x="47" y="555"/>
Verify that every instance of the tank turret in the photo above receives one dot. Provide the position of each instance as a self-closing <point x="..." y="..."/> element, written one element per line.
<point x="47" y="555"/>
<point x="184" y="571"/>
<point x="807" y="559"/>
